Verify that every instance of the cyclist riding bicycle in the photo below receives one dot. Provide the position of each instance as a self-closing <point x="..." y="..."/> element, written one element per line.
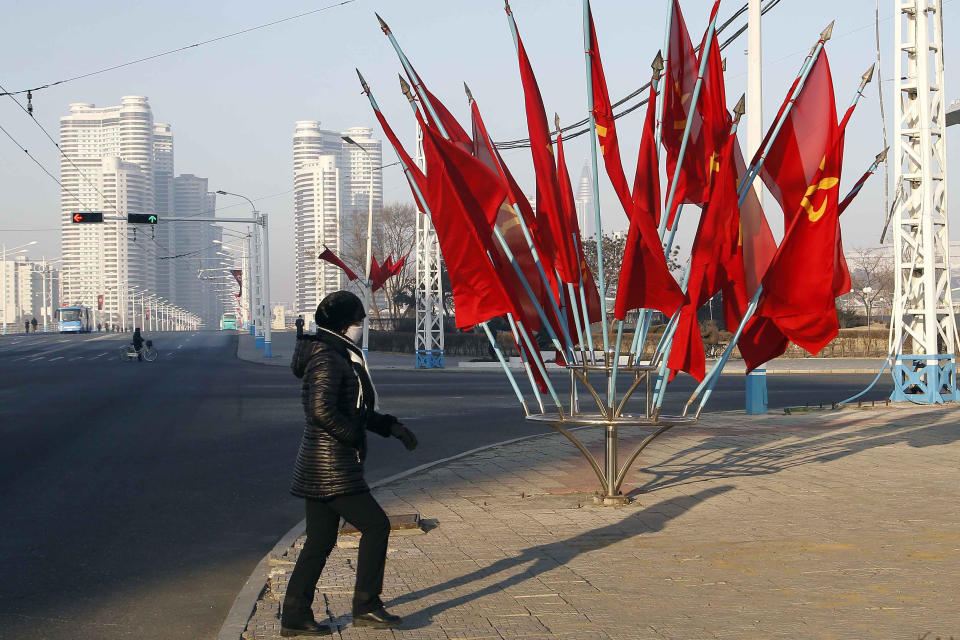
<point x="137" y="342"/>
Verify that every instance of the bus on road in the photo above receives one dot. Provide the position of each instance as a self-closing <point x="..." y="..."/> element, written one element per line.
<point x="73" y="320"/>
<point x="228" y="322"/>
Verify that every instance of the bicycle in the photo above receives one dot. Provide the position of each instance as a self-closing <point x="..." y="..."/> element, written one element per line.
<point x="146" y="352"/>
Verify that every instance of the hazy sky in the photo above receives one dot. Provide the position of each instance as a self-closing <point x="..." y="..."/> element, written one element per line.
<point x="232" y="104"/>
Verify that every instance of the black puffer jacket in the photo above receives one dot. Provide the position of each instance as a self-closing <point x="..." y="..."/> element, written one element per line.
<point x="333" y="446"/>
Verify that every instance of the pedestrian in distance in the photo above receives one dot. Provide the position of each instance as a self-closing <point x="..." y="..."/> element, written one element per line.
<point x="26" y="326"/>
<point x="340" y="404"/>
<point x="33" y="323"/>
<point x="98" y="327"/>
<point x="299" y="325"/>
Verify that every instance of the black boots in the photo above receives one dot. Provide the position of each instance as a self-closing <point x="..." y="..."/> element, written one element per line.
<point x="306" y="628"/>
<point x="379" y="618"/>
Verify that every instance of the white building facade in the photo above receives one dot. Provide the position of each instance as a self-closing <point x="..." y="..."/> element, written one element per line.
<point x="332" y="186"/>
<point x="108" y="167"/>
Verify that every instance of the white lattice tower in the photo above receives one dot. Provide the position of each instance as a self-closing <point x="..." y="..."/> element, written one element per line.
<point x="429" y="289"/>
<point x="924" y="329"/>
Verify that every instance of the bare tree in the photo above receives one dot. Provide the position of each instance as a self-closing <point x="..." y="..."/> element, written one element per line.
<point x="613" y="248"/>
<point x="394" y="234"/>
<point x="871" y="278"/>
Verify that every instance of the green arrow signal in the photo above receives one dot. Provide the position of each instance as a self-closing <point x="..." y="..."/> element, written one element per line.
<point x="152" y="219"/>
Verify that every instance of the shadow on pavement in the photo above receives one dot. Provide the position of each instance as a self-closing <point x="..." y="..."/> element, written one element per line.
<point x="723" y="456"/>
<point x="545" y="557"/>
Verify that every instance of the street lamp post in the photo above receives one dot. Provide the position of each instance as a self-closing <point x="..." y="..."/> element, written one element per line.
<point x="368" y="286"/>
<point x="263" y="272"/>
<point x="14" y="250"/>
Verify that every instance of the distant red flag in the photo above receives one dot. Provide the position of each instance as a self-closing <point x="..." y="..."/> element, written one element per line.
<point x="461" y="193"/>
<point x="645" y="280"/>
<point x="332" y="258"/>
<point x="855" y="190"/>
<point x="804" y="138"/>
<point x="549" y="215"/>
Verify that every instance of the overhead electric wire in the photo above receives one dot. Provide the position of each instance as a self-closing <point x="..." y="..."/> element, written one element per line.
<point x="4" y="92"/>
<point x="525" y="142"/>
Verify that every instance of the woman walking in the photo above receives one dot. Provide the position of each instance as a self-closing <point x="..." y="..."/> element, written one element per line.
<point x="340" y="405"/>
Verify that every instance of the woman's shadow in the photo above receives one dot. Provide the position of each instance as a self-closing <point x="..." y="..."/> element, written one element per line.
<point x="545" y="557"/>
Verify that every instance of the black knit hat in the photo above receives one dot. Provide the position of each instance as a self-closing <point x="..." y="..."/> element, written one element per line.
<point x="339" y="310"/>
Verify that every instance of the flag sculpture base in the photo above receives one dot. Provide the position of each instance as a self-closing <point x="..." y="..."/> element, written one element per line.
<point x="610" y="416"/>
<point x="925" y="379"/>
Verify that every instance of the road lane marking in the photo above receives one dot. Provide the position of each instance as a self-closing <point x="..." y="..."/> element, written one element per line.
<point x="77" y="358"/>
<point x="57" y="358"/>
<point x="35" y="359"/>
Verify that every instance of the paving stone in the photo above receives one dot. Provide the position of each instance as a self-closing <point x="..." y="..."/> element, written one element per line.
<point x="825" y="525"/>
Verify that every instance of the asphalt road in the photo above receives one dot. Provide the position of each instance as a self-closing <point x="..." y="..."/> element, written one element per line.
<point x="135" y="498"/>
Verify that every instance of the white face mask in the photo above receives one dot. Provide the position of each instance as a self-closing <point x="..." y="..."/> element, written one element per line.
<point x="354" y="333"/>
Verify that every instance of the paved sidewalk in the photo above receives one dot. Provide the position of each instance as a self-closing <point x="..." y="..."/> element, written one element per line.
<point x="824" y="525"/>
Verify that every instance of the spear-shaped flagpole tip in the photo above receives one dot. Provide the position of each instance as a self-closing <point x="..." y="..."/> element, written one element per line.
<point x="657" y="65"/>
<point x="867" y="76"/>
<point x="556" y="122"/>
<point x="882" y="156"/>
<point x="363" y="83"/>
<point x="383" y="25"/>
<point x="723" y="65"/>
<point x="506" y="6"/>
<point x="468" y="92"/>
<point x="405" y="88"/>
<point x="827" y="33"/>
<point x="741" y="108"/>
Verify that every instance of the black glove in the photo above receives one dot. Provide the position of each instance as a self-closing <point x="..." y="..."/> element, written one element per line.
<point x="404" y="435"/>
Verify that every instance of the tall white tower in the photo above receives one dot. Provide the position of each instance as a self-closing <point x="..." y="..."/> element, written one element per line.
<point x="924" y="328"/>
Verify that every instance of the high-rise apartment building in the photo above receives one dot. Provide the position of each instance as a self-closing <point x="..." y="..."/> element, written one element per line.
<point x="193" y="199"/>
<point x="107" y="166"/>
<point x="331" y="196"/>
<point x="316" y="224"/>
<point x="163" y="202"/>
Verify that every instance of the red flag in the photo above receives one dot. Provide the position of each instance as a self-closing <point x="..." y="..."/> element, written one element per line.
<point x="800" y="285"/>
<point x="397" y="266"/>
<point x="462" y="193"/>
<point x="605" y="124"/>
<point x="569" y="207"/>
<point x="508" y="222"/>
<point x="709" y="121"/>
<point x="715" y="265"/>
<point x="549" y="214"/>
<point x="803" y="140"/>
<point x="645" y="280"/>
<point x="332" y="258"/>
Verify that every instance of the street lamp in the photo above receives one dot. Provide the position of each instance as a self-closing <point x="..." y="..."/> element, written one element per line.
<point x="866" y="307"/>
<point x="15" y="250"/>
<point x="368" y="287"/>
<point x="263" y="272"/>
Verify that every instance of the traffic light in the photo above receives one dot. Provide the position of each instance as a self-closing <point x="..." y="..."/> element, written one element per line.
<point x="142" y="218"/>
<point x="83" y="217"/>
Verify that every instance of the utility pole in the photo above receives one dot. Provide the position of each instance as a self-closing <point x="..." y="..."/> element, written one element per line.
<point x="429" y="285"/>
<point x="924" y="327"/>
<point x="756" y="382"/>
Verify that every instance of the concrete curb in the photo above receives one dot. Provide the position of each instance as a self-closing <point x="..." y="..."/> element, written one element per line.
<point x="246" y="600"/>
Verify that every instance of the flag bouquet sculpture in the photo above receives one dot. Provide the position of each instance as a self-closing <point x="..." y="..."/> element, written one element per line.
<point x="506" y="258"/>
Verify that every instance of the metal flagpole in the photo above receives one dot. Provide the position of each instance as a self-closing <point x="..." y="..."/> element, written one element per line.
<point x="595" y="176"/>
<point x="525" y="361"/>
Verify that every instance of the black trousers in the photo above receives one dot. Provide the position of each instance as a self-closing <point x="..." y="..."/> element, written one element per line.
<point x="323" y="520"/>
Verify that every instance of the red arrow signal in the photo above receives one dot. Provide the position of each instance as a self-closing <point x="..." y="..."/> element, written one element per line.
<point x="78" y="217"/>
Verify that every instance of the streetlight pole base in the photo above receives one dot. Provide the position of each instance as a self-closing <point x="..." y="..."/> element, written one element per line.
<point x="258" y="342"/>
